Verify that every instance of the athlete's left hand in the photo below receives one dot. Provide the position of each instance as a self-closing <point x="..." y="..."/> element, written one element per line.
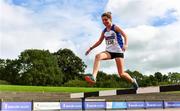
<point x="88" y="51"/>
<point x="124" y="47"/>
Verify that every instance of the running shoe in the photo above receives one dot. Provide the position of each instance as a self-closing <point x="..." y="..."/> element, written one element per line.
<point x="90" y="79"/>
<point x="135" y="84"/>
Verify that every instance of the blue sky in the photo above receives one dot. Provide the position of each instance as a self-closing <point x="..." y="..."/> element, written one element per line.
<point x="168" y="18"/>
<point x="152" y="28"/>
<point x="92" y="7"/>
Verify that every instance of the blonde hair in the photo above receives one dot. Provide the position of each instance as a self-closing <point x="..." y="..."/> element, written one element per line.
<point x="107" y="14"/>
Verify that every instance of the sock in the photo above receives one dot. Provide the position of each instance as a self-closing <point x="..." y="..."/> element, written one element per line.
<point x="94" y="77"/>
<point x="133" y="81"/>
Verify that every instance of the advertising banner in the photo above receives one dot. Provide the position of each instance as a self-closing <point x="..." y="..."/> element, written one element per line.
<point x="154" y="104"/>
<point x="116" y="105"/>
<point x="172" y="104"/>
<point x="16" y="106"/>
<point x="46" y="106"/>
<point x="135" y="105"/>
<point x="71" y="105"/>
<point x="95" y="105"/>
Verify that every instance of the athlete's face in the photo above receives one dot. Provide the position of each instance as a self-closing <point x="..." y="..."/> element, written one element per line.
<point x="106" y="21"/>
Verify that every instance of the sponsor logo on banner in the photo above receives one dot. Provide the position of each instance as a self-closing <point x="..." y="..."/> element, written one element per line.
<point x="95" y="105"/>
<point x="108" y="105"/>
<point x="172" y="104"/>
<point x="16" y="106"/>
<point x="71" y="105"/>
<point x="46" y="105"/>
<point x="154" y="104"/>
<point x="131" y="105"/>
<point x="120" y="105"/>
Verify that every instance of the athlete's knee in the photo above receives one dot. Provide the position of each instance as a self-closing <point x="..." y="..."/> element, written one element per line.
<point x="121" y="74"/>
<point x="98" y="57"/>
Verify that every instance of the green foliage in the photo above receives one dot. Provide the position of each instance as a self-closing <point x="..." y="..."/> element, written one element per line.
<point x="71" y="65"/>
<point x="174" y="77"/>
<point x="39" y="67"/>
<point x="3" y="65"/>
<point x="75" y="83"/>
<point x="146" y="81"/>
<point x="3" y="82"/>
<point x="138" y="76"/>
<point x="64" y="68"/>
<point x="158" y="77"/>
<point x="34" y="67"/>
<point x="110" y="81"/>
<point x="9" y="70"/>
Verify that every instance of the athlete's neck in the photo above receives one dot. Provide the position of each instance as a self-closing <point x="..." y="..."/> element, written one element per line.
<point x="108" y="27"/>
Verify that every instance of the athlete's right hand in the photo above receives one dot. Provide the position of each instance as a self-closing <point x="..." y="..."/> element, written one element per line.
<point x="87" y="52"/>
<point x="124" y="47"/>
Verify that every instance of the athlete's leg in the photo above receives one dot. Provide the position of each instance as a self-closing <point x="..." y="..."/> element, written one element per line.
<point x="101" y="56"/>
<point x="120" y="68"/>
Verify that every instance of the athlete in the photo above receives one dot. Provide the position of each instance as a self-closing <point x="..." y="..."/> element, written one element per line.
<point x="115" y="48"/>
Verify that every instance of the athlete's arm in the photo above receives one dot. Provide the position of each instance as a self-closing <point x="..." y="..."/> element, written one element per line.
<point x="96" y="44"/>
<point x="99" y="41"/>
<point x="118" y="29"/>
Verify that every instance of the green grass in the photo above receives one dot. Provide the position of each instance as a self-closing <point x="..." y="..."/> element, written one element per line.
<point x="18" y="88"/>
<point x="173" y="92"/>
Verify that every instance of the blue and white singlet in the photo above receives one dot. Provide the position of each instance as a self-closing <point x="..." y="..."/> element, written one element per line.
<point x="114" y="41"/>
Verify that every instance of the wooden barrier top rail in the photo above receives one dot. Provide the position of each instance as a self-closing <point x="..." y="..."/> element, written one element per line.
<point x="141" y="90"/>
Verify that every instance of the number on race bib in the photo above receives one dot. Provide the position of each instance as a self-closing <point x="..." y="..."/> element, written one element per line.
<point x="110" y="42"/>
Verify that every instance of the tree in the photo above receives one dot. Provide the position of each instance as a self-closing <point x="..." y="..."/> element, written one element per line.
<point x="158" y="76"/>
<point x="2" y="68"/>
<point x="103" y="80"/>
<point x="145" y="81"/>
<point x="39" y="67"/>
<point x="165" y="78"/>
<point x="153" y="80"/>
<point x="9" y="70"/>
<point x="76" y="83"/>
<point x="111" y="81"/>
<point x="136" y="74"/>
<point x="174" y="77"/>
<point x="71" y="65"/>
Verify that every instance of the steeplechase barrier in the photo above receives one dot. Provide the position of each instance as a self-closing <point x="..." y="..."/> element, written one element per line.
<point x="141" y="90"/>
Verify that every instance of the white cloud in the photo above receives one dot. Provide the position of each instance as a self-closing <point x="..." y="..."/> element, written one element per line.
<point x="52" y="28"/>
<point x="140" y="12"/>
<point x="154" y="51"/>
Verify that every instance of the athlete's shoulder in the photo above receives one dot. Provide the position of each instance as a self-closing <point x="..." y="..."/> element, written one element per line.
<point x="117" y="28"/>
<point x="104" y="30"/>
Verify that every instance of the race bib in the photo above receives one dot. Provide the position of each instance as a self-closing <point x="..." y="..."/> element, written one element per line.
<point x="110" y="40"/>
